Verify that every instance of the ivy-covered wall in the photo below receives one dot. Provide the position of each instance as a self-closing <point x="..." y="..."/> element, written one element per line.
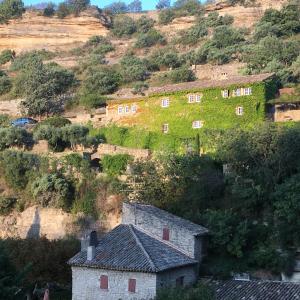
<point x="215" y="111"/>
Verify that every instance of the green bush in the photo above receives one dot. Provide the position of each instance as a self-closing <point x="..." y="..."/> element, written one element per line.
<point x="5" y="83"/>
<point x="144" y="24"/>
<point x="14" y="137"/>
<point x="194" y="34"/>
<point x="164" y="58"/>
<point x="182" y="74"/>
<point x="6" y="56"/>
<point x="53" y="190"/>
<point x="115" y="165"/>
<point x="150" y="38"/>
<point x="49" y="10"/>
<point x="6" y="205"/>
<point x="55" y="122"/>
<point x="10" y="9"/>
<point x="92" y="101"/>
<point x="63" y="10"/>
<point x="4" y="120"/>
<point x="133" y="69"/>
<point x="166" y="16"/>
<point x="123" y="26"/>
<point x="86" y="205"/>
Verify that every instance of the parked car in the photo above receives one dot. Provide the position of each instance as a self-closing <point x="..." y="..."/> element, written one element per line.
<point x="23" y="122"/>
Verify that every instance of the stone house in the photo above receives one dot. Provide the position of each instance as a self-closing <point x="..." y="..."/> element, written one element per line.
<point x="150" y="250"/>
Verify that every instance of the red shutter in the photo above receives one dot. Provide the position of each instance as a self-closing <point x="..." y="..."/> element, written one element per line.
<point x="166" y="234"/>
<point x="131" y="285"/>
<point x="104" y="282"/>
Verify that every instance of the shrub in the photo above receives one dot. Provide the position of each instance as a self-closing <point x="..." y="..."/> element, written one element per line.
<point x="4" y="120"/>
<point x="49" y="10"/>
<point x="150" y="38"/>
<point x="123" y="26"/>
<point x="57" y="122"/>
<point x="5" y="83"/>
<point x="6" y="205"/>
<point x="133" y="69"/>
<point x="166" y="16"/>
<point x="144" y="24"/>
<point x="192" y="35"/>
<point x="53" y="190"/>
<point x="77" y="6"/>
<point x="140" y="88"/>
<point x="101" y="81"/>
<point x="92" y="101"/>
<point x="75" y="134"/>
<point x="182" y="74"/>
<point x="114" y="165"/>
<point x="117" y="7"/>
<point x="10" y="9"/>
<point x="161" y="4"/>
<point x="18" y="167"/>
<point x="14" y="136"/>
<point x="188" y="7"/>
<point x="63" y="10"/>
<point x="6" y="56"/>
<point x="164" y="58"/>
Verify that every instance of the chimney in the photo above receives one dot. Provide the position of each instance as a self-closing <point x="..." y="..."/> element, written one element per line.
<point x="93" y="242"/>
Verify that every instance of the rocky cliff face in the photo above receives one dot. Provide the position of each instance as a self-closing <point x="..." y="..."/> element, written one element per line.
<point x="34" y="31"/>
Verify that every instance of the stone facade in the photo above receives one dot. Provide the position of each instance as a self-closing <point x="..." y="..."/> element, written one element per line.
<point x="179" y="236"/>
<point x="86" y="285"/>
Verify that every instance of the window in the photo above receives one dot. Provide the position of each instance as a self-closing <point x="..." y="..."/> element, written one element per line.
<point x="166" y="234"/>
<point x="120" y="109"/>
<point x="237" y="92"/>
<point x="133" y="108"/>
<point x="239" y="111"/>
<point x="131" y="285"/>
<point x="127" y="109"/>
<point x="198" y="98"/>
<point x="191" y="99"/>
<point x="247" y="91"/>
<point x="165" y="102"/>
<point x="225" y="93"/>
<point x="180" y="281"/>
<point x="165" y="128"/>
<point x="104" y="282"/>
<point x="197" y="124"/>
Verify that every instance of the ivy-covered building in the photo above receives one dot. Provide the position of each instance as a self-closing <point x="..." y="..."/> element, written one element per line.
<point x="188" y="108"/>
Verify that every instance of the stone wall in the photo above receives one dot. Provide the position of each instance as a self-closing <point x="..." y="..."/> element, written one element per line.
<point x="106" y="149"/>
<point x="283" y="115"/>
<point x="52" y="223"/>
<point x="168" y="278"/>
<point x="86" y="285"/>
<point x="179" y="236"/>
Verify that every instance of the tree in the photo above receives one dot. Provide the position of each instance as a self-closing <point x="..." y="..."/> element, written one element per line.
<point x="49" y="10"/>
<point x="77" y="6"/>
<point x="161" y="4"/>
<point x="123" y="26"/>
<point x="63" y="10"/>
<point x="14" y="137"/>
<point x="166" y="16"/>
<point x="182" y="74"/>
<point x="135" y="6"/>
<point x="10" y="9"/>
<point x="144" y="24"/>
<point x="133" y="69"/>
<point x="149" y="39"/>
<point x="117" y="7"/>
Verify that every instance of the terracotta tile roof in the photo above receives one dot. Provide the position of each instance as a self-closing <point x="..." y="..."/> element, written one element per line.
<point x="199" y="84"/>
<point x="195" y="229"/>
<point x="127" y="248"/>
<point x="255" y="290"/>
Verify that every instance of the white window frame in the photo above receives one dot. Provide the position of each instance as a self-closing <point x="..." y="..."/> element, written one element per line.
<point x="191" y="98"/>
<point x="165" y="128"/>
<point x="197" y="124"/>
<point x="127" y="109"/>
<point x="225" y="93"/>
<point x="165" y="102"/>
<point x="239" y="110"/>
<point x="133" y="108"/>
<point x="238" y="92"/>
<point x="198" y="98"/>
<point x="248" y="91"/>
<point x="120" y="109"/>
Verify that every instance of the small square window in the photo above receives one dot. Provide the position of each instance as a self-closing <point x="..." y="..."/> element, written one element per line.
<point x="120" y="109"/>
<point x="237" y="92"/>
<point x="198" y="98"/>
<point x="239" y="111"/>
<point x="131" y="285"/>
<point x="191" y="98"/>
<point x="165" y="102"/>
<point x="127" y="109"/>
<point x="165" y="128"/>
<point x="133" y="108"/>
<point x="225" y="93"/>
<point x="247" y="91"/>
<point x="104" y="282"/>
<point x="197" y="124"/>
<point x="166" y="234"/>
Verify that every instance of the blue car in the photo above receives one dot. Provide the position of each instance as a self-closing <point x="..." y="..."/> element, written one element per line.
<point x="23" y="122"/>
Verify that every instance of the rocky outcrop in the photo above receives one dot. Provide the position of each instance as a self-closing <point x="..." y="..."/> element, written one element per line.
<point x="34" y="31"/>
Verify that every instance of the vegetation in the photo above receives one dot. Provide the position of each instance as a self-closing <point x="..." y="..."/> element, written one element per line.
<point x="6" y="56"/>
<point x="14" y="137"/>
<point x="123" y="26"/>
<point x="149" y="39"/>
<point x="10" y="9"/>
<point x="115" y="164"/>
<point x="5" y="83"/>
